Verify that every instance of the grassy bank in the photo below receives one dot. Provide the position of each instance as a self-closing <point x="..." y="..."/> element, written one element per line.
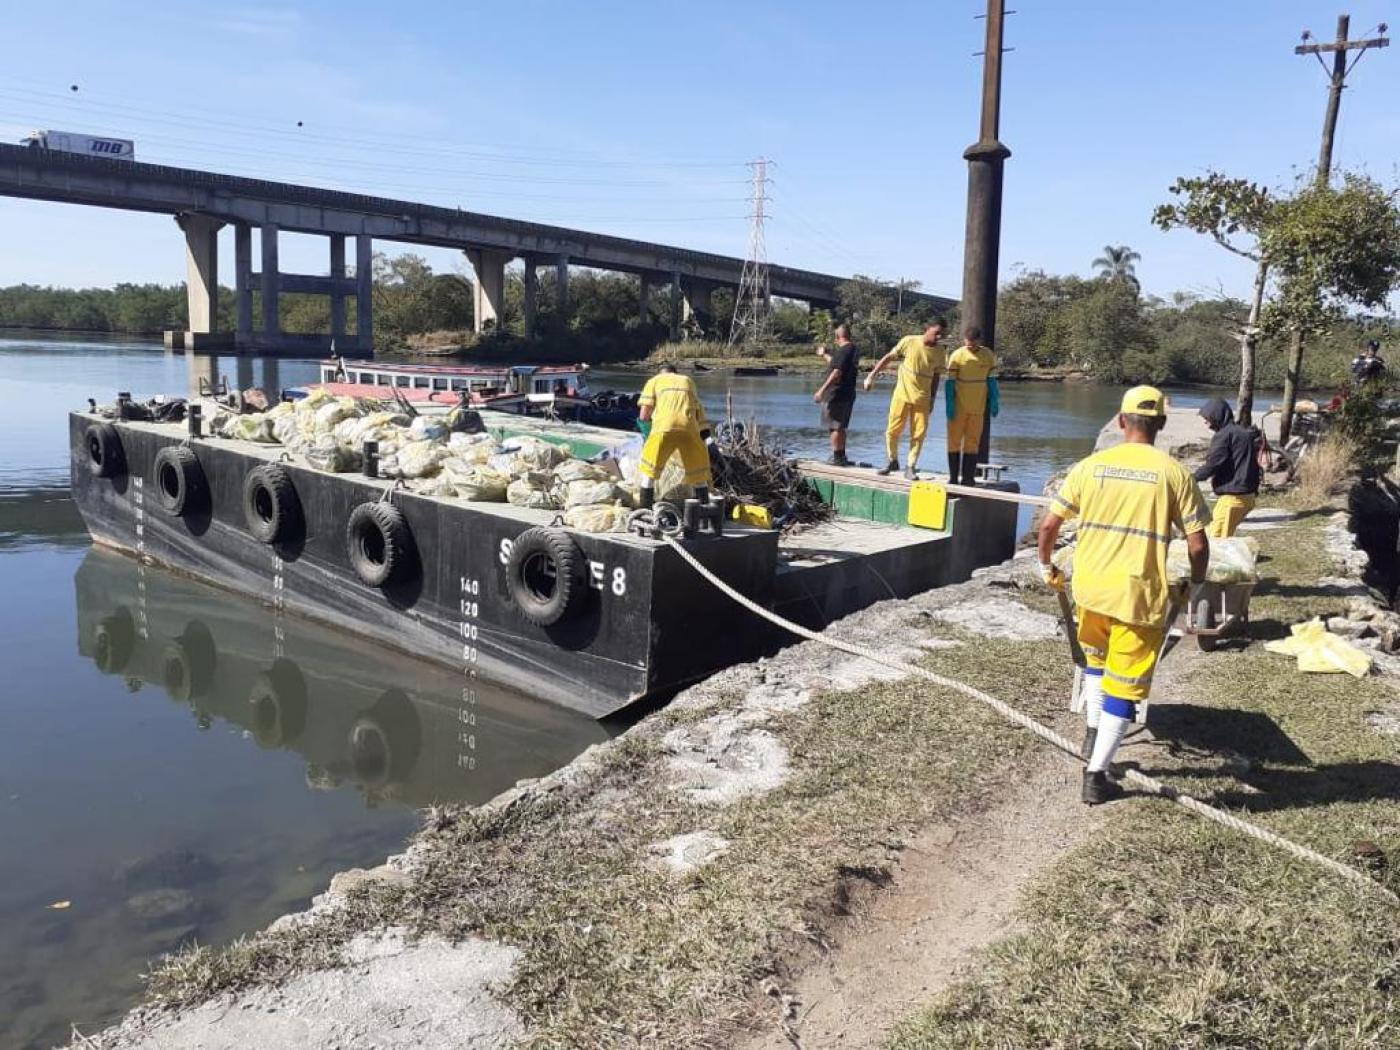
<point x="1167" y="931"/>
<point x="618" y="951"/>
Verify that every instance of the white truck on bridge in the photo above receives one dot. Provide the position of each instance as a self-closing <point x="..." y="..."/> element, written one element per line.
<point x="88" y="145"/>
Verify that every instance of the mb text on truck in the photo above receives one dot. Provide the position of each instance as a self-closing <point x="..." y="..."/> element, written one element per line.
<point x="88" y="145"/>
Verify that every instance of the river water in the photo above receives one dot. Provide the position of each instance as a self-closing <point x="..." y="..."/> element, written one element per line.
<point x="173" y="768"/>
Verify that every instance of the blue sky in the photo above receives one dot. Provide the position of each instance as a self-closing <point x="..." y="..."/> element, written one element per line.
<point x="637" y="118"/>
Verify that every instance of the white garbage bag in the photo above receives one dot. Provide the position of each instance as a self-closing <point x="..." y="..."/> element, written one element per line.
<point x="597" y="517"/>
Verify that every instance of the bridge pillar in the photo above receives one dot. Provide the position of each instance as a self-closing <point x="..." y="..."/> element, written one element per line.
<point x="532" y="296"/>
<point x="697" y="304"/>
<point x="561" y="268"/>
<point x="271" y="316"/>
<point x="364" y="293"/>
<point x="243" y="284"/>
<point x="644" y="299"/>
<point x="337" y="300"/>
<point x="490" y="286"/>
<point x="202" y="274"/>
<point x="675" y="305"/>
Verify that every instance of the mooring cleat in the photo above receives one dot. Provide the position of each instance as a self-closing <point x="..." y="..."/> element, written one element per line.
<point x="888" y="468"/>
<point x="1086" y="749"/>
<point x="1099" y="788"/>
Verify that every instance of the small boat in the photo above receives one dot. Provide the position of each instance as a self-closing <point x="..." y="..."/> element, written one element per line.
<point x="756" y="370"/>
<point x="700" y="366"/>
<point x="548" y="391"/>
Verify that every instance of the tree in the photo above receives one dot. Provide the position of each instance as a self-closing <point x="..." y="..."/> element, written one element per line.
<point x="1237" y="214"/>
<point x="1117" y="264"/>
<point x="1030" y="315"/>
<point x="1333" y="247"/>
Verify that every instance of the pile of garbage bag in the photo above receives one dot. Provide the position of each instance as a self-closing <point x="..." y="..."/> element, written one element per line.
<point x="435" y="458"/>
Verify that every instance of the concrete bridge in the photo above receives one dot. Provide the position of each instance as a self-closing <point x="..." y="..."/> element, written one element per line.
<point x="202" y="203"/>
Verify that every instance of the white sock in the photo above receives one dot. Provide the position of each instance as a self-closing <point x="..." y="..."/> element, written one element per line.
<point x="1091" y="690"/>
<point x="1113" y="723"/>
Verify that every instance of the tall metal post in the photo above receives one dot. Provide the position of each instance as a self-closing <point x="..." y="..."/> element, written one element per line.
<point x="985" y="160"/>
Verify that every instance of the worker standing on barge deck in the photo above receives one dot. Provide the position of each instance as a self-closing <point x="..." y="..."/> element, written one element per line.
<point x="673" y="421"/>
<point x="921" y="362"/>
<point x="972" y="395"/>
<point x="1128" y="499"/>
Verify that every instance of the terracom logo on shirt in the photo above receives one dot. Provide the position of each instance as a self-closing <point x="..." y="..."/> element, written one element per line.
<point x="1148" y="477"/>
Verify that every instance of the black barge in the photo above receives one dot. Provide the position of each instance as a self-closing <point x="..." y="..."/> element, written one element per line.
<point x="592" y="621"/>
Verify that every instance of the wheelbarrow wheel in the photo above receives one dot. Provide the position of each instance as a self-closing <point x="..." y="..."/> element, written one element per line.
<point x="1203" y="618"/>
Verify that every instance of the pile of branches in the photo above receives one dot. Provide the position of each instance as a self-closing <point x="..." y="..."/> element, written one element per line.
<point x="749" y="469"/>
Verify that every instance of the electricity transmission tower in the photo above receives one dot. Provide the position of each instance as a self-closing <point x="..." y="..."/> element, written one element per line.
<point x="752" y="304"/>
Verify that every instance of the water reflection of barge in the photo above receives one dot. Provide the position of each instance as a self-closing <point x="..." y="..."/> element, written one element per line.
<point x="393" y="727"/>
<point x="625" y="617"/>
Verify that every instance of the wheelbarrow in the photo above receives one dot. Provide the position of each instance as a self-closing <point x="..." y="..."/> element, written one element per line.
<point x="1217" y="610"/>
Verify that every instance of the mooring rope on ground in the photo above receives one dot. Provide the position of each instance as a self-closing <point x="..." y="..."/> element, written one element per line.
<point x="1047" y="734"/>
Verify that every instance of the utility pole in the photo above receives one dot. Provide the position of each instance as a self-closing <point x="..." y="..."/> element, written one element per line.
<point x="1340" y="50"/>
<point x="985" y="160"/>
<point x="752" y="302"/>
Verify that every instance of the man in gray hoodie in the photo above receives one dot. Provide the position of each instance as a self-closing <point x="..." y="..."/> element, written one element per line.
<point x="1231" y="467"/>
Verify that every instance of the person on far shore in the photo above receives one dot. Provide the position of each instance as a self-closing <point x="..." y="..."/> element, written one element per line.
<point x="1231" y="467"/>
<point x="921" y="362"/>
<point x="1368" y="365"/>
<point x="837" y="394"/>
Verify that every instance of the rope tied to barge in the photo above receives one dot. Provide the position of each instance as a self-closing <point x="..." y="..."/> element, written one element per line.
<point x="1045" y="733"/>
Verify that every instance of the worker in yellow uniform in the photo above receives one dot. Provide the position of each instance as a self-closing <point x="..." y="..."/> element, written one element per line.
<point x="1128" y="499"/>
<point x="971" y="395"/>
<point x="921" y="362"/>
<point x="673" y="421"/>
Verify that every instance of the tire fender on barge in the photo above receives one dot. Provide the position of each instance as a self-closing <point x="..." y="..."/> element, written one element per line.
<point x="378" y="540"/>
<point x="271" y="505"/>
<point x="181" y="485"/>
<point x="545" y="576"/>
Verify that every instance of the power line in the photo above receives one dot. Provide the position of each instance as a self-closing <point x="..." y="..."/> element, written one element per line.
<point x="202" y="121"/>
<point x="752" y="303"/>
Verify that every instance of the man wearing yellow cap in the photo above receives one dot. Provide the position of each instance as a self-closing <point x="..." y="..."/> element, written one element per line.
<point x="921" y="361"/>
<point x="1128" y="500"/>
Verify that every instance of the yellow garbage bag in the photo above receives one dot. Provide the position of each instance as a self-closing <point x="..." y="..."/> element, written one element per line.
<point x="1319" y="651"/>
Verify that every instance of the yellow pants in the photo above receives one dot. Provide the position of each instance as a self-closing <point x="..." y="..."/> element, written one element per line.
<point x="1126" y="653"/>
<point x="1229" y="512"/>
<point x="965" y="432"/>
<point x="662" y="444"/>
<point x="914" y="414"/>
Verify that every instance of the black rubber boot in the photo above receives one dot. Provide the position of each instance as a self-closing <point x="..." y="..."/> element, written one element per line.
<point x="646" y="497"/>
<point x="953" y="458"/>
<point x="702" y="493"/>
<point x="889" y="468"/>
<point x="1086" y="749"/>
<point x="969" y="470"/>
<point x="1098" y="789"/>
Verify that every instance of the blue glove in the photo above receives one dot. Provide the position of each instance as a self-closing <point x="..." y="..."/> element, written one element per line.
<point x="644" y="425"/>
<point x="993" y="397"/>
<point x="950" y="398"/>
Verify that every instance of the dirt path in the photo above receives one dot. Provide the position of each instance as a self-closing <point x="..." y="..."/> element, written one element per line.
<point x="956" y="891"/>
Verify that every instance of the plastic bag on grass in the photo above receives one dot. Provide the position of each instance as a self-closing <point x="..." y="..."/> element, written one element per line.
<point x="1319" y="651"/>
<point x="598" y="517"/>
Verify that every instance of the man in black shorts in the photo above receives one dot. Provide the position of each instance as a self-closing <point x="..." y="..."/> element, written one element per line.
<point x="837" y="395"/>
